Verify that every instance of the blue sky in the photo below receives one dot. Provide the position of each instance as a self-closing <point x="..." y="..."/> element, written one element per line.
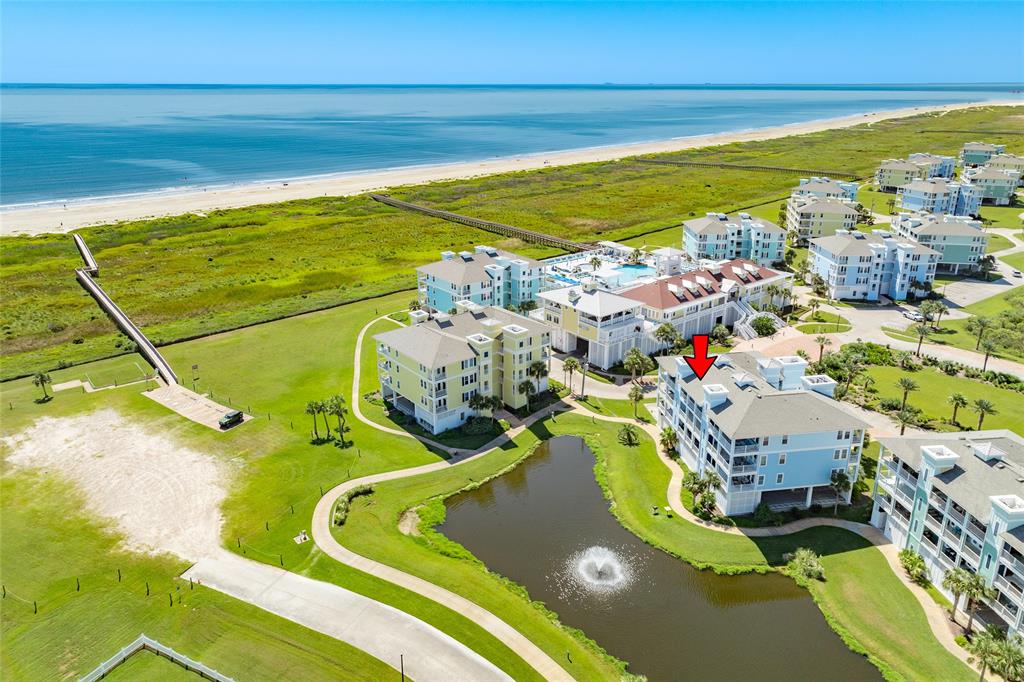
<point x="512" y="42"/>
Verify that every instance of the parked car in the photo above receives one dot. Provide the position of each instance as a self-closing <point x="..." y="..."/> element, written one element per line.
<point x="230" y="419"/>
<point x="913" y="315"/>
<point x="1016" y="273"/>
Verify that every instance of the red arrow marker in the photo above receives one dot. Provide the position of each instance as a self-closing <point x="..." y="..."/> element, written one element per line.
<point x="700" y="363"/>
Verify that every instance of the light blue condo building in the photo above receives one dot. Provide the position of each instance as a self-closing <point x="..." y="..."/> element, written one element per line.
<point x="485" y="276"/>
<point x="719" y="237"/>
<point x="956" y="499"/>
<point x="940" y="196"/>
<point x="772" y="433"/>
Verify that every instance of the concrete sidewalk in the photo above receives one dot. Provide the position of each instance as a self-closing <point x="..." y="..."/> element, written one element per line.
<point x="378" y="629"/>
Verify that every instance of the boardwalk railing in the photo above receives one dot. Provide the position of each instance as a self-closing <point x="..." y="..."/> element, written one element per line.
<point x="146" y="347"/>
<point x="143" y="643"/>
<point x="486" y="225"/>
<point x="740" y="166"/>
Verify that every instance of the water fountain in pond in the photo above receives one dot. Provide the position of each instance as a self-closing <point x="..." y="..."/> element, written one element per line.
<point x="599" y="568"/>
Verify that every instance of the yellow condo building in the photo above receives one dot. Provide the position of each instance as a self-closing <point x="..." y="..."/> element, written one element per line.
<point x="431" y="369"/>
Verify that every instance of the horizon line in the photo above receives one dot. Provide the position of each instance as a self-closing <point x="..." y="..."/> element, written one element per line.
<point x="504" y="84"/>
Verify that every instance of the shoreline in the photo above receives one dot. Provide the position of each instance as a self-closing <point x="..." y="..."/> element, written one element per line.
<point x="62" y="217"/>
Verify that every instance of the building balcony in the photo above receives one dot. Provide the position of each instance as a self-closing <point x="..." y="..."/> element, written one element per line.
<point x="744" y="469"/>
<point x="1010" y="587"/>
<point x="955" y="515"/>
<point x="744" y="488"/>
<point x="740" y="449"/>
<point x="970" y="552"/>
<point x="1010" y="561"/>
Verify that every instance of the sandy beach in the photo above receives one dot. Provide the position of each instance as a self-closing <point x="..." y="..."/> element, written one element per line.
<point x="58" y="218"/>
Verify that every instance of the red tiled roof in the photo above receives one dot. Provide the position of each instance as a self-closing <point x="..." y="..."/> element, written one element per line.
<point x="657" y="295"/>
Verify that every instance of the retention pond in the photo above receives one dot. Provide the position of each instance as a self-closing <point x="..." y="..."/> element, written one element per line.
<point x="546" y="525"/>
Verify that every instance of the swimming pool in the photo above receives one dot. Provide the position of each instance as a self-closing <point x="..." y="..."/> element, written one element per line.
<point x="628" y="273"/>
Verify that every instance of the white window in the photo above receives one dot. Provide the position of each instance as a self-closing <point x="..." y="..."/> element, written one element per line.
<point x="782" y="459"/>
<point x="785" y="440"/>
<point x="779" y="478"/>
<point x="764" y="460"/>
<point x="760" y="480"/>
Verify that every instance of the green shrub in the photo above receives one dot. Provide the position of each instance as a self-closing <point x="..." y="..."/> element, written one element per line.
<point x="764" y="516"/>
<point x="913" y="564"/>
<point x="804" y="563"/>
<point x="763" y="325"/>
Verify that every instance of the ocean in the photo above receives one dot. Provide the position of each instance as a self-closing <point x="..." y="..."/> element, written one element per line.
<point x="66" y="143"/>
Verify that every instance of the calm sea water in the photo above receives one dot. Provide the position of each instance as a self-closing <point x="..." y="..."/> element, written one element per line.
<point x="65" y="143"/>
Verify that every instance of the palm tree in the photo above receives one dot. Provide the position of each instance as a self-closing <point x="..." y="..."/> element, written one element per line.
<point x="954" y="582"/>
<point x="839" y="483"/>
<point x="957" y="400"/>
<point x="905" y="418"/>
<point x="822" y="341"/>
<point x="595" y="263"/>
<point x="526" y="388"/>
<point x="668" y="439"/>
<point x="815" y="304"/>
<point x="322" y="408"/>
<point x="636" y="362"/>
<point x="636" y="394"/>
<point x="978" y="325"/>
<point x="628" y="435"/>
<point x="313" y="410"/>
<point x="41" y="379"/>
<point x="571" y="365"/>
<point x="901" y="358"/>
<point x="666" y="334"/>
<point x="922" y="330"/>
<point x="1011" y="658"/>
<point x="495" y="403"/>
<point x="854" y="366"/>
<point x="907" y="385"/>
<point x="983" y="407"/>
<point x="868" y="381"/>
<point x="478" y="402"/>
<point x="989" y="347"/>
<point x="984" y="650"/>
<point x="940" y="310"/>
<point x="336" y="407"/>
<point x="975" y="589"/>
<point x="538" y="369"/>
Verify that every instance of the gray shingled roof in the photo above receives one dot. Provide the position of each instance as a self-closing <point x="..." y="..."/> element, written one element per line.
<point x="459" y="271"/>
<point x="426" y="346"/>
<point x="761" y="409"/>
<point x="846" y="245"/>
<point x="972" y="480"/>
<point x="714" y="225"/>
<point x="825" y="206"/>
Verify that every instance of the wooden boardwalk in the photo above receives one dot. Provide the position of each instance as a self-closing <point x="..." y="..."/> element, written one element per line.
<point x="765" y="169"/>
<point x="529" y="236"/>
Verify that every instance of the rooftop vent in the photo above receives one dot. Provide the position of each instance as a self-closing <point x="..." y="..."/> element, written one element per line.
<point x="466" y="255"/>
<point x="447" y="255"/>
<point x="418" y="316"/>
<point x="715" y="394"/>
<point x="514" y="329"/>
<point x="987" y="452"/>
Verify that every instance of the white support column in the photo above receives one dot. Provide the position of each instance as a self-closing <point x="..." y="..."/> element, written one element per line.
<point x="810" y="496"/>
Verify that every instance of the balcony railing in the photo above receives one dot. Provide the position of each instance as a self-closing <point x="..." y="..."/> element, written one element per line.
<point x="1010" y="561"/>
<point x="1009" y="587"/>
<point x="956" y="515"/>
<point x="744" y="469"/>
<point x="745" y="488"/>
<point x="971" y="552"/>
<point x="740" y="449"/>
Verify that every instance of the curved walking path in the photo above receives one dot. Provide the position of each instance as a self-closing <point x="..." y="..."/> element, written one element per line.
<point x="322" y="536"/>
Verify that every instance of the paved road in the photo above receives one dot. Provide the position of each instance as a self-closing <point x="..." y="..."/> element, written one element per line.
<point x="378" y="629"/>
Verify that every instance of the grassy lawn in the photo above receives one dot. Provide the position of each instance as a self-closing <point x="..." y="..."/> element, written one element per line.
<point x="49" y="543"/>
<point x="614" y="408"/>
<point x="192" y="275"/>
<point x="1015" y="260"/>
<point x="822" y="322"/>
<point x="935" y="387"/>
<point x="955" y="333"/>
<point x="997" y="242"/>
<point x="296" y="360"/>
<point x="1003" y="216"/>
